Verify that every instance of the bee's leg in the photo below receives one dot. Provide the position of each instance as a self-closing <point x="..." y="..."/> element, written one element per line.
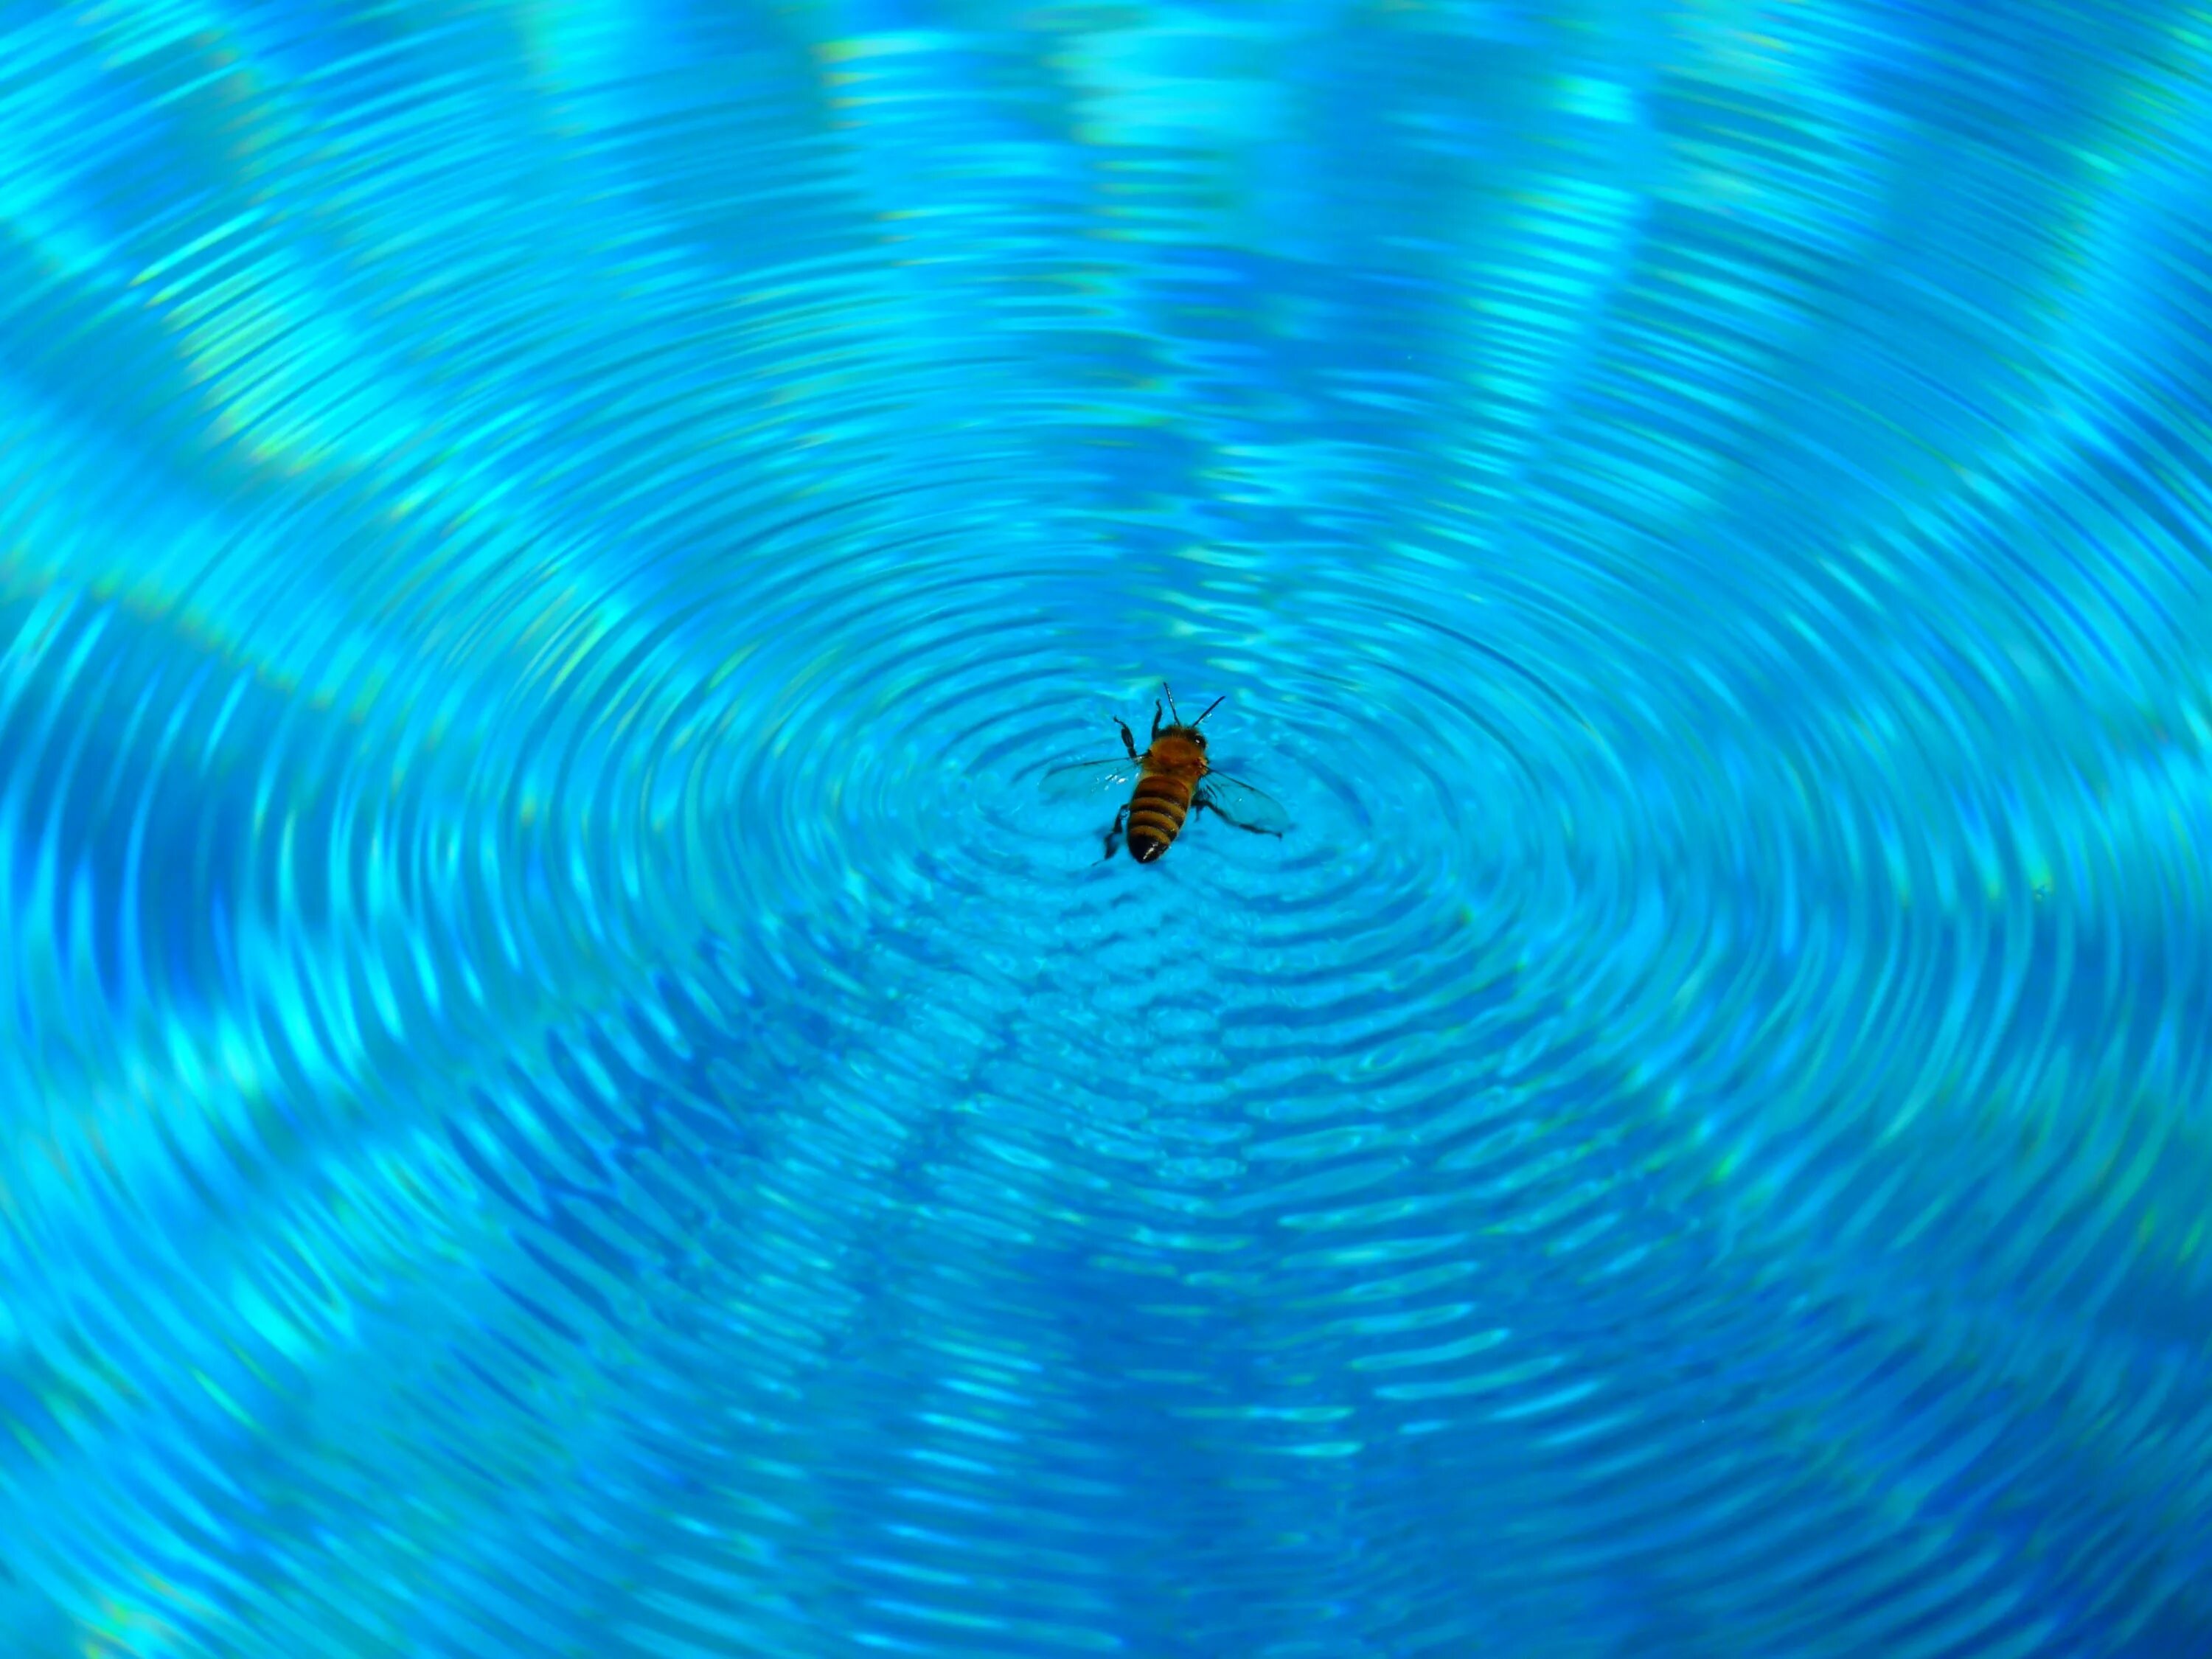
<point x="1205" y="803"/>
<point x="1127" y="742"/>
<point x="1114" y="834"/>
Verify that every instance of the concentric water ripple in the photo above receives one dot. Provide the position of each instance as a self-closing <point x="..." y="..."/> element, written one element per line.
<point x="566" y="1093"/>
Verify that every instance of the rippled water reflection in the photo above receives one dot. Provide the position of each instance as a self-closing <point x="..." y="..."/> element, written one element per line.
<point x="564" y="1093"/>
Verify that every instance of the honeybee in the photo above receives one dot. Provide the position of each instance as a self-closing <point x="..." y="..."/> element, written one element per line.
<point x="1172" y="779"/>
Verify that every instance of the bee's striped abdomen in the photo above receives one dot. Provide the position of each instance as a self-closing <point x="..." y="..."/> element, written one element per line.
<point x="1157" y="810"/>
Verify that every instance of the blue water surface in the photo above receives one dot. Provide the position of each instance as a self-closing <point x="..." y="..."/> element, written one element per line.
<point x="565" y="1091"/>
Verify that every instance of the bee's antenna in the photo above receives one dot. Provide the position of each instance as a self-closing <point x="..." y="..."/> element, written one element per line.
<point x="1170" y="697"/>
<point x="1210" y="708"/>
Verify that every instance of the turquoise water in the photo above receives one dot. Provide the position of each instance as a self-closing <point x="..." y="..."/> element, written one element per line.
<point x="565" y="1091"/>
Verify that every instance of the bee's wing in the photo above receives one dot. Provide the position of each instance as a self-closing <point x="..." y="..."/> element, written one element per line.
<point x="1246" y="807"/>
<point x="1085" y="780"/>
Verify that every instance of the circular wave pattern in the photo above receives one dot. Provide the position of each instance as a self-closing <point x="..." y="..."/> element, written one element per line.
<point x="567" y="1093"/>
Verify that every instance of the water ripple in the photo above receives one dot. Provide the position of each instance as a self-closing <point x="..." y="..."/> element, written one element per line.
<point x="567" y="1093"/>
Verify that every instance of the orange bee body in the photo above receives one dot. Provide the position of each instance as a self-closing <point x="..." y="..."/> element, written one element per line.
<point x="1174" y="778"/>
<point x="1166" y="786"/>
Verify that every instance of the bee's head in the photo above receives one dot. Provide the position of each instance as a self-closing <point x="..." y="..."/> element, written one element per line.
<point x="1191" y="731"/>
